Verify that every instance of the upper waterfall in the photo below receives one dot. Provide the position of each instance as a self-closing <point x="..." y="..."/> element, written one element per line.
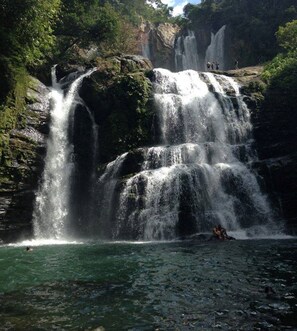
<point x="215" y="51"/>
<point x="189" y="54"/>
<point x="186" y="53"/>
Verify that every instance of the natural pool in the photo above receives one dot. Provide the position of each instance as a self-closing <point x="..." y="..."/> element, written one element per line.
<point x="190" y="285"/>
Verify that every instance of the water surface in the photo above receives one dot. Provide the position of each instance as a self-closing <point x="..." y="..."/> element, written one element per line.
<point x="150" y="286"/>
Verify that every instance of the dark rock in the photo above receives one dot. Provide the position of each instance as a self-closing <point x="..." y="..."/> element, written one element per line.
<point x="274" y="119"/>
<point x="119" y="94"/>
<point x="22" y="168"/>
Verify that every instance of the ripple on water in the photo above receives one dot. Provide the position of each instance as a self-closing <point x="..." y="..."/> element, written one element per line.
<point x="165" y="286"/>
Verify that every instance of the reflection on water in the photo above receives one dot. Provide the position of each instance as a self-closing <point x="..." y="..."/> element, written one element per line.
<point x="238" y="285"/>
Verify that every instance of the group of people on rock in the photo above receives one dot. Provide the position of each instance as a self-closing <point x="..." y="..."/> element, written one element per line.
<point x="215" y="65"/>
<point x="212" y="65"/>
<point x="220" y="233"/>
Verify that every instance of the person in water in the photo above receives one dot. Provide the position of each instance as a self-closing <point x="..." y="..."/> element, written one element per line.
<point x="220" y="233"/>
<point x="29" y="249"/>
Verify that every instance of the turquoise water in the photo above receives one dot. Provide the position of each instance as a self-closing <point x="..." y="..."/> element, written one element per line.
<point x="151" y="286"/>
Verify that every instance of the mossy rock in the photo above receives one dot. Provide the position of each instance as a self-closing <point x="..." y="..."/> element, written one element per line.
<point x="119" y="95"/>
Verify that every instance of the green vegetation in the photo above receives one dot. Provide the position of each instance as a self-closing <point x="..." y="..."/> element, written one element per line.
<point x="36" y="34"/>
<point x="141" y="10"/>
<point x="111" y="25"/>
<point x="39" y="33"/>
<point x="119" y="94"/>
<point x="281" y="72"/>
<point x="26" y="37"/>
<point x="83" y="23"/>
<point x="287" y="36"/>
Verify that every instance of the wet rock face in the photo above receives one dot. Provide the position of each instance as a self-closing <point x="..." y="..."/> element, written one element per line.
<point x="118" y="95"/>
<point x="274" y="120"/>
<point x="19" y="176"/>
<point x="158" y="42"/>
<point x="276" y="137"/>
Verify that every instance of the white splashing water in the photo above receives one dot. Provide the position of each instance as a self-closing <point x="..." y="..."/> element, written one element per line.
<point x="108" y="182"/>
<point x="215" y="50"/>
<point x="198" y="170"/>
<point x="52" y="199"/>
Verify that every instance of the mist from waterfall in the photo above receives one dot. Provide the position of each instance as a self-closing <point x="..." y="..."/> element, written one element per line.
<point x="200" y="175"/>
<point x="50" y="218"/>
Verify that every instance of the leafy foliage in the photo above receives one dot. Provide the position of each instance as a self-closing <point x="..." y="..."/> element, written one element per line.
<point x="85" y="21"/>
<point x="287" y="36"/>
<point x="285" y="62"/>
<point x="109" y="24"/>
<point x="119" y="93"/>
<point x="26" y="37"/>
<point x="281" y="63"/>
<point x="137" y="11"/>
<point x="281" y="72"/>
<point x="26" y="29"/>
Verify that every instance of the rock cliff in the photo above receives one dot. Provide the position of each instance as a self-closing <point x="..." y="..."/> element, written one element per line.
<point x="116" y="97"/>
<point x="274" y="120"/>
<point x="276" y="137"/>
<point x="23" y="166"/>
<point x="157" y="43"/>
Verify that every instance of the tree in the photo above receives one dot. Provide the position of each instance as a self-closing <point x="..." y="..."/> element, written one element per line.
<point x="87" y="22"/>
<point x="26" y="37"/>
<point x="281" y="71"/>
<point x="287" y="36"/>
<point x="26" y="29"/>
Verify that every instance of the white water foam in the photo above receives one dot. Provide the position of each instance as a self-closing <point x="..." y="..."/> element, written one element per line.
<point x="51" y="211"/>
<point x="198" y="172"/>
<point x="45" y="242"/>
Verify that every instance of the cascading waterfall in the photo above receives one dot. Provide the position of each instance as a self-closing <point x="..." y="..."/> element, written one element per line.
<point x="199" y="176"/>
<point x="215" y="51"/>
<point x="51" y="211"/>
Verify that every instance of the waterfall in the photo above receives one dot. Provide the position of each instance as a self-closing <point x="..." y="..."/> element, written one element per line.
<point x="199" y="176"/>
<point x="186" y="53"/>
<point x="52" y="199"/>
<point x="145" y="51"/>
<point x="188" y="56"/>
<point x="215" y="51"/>
<point x="107" y="187"/>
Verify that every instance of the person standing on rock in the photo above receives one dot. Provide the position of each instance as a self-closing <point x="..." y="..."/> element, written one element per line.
<point x="236" y="64"/>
